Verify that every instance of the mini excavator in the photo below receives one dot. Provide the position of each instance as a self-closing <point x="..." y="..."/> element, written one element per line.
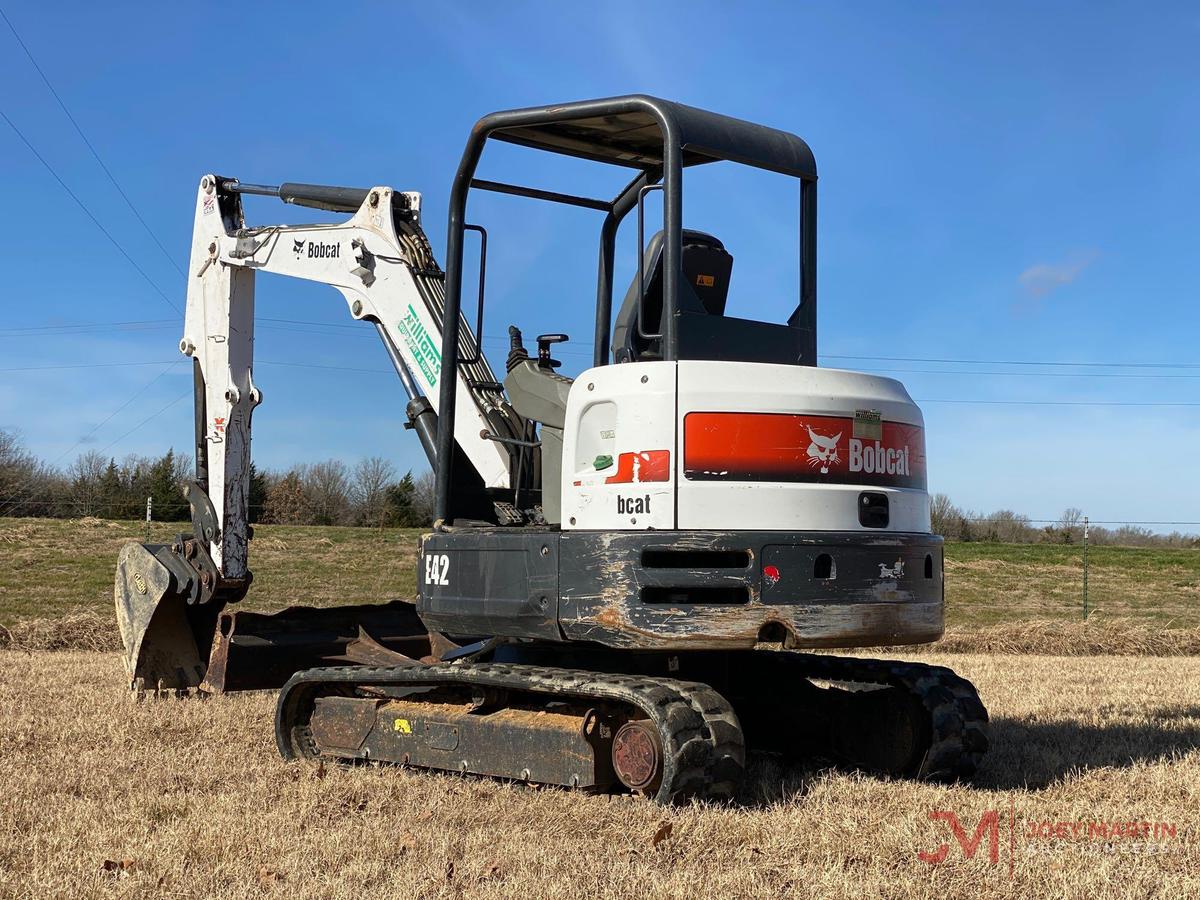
<point x="628" y="571"/>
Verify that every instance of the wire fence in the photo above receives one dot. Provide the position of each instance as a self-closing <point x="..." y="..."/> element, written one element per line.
<point x="1060" y="572"/>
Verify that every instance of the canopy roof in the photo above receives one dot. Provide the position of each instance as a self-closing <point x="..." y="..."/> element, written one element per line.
<point x="632" y="131"/>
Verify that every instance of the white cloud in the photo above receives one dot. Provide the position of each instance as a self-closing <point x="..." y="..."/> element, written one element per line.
<point x="1042" y="279"/>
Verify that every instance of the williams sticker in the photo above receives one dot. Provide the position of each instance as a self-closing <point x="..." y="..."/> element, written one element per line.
<point x="422" y="347"/>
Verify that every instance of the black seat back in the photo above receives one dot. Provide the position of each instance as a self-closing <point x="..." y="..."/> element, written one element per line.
<point x="706" y="270"/>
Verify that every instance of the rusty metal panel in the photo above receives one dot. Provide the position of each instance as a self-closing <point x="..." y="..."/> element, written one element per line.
<point x="538" y="746"/>
<point x="611" y="596"/>
<point x="258" y="651"/>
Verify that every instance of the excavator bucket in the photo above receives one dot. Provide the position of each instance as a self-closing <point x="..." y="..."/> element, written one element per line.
<point x="171" y="644"/>
<point x="166" y="639"/>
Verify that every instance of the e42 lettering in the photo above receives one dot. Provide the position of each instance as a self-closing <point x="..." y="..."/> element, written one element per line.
<point x="437" y="569"/>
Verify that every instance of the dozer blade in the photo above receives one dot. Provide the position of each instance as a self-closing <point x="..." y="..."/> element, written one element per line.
<point x="173" y="645"/>
<point x="257" y="651"/>
<point x="166" y="639"/>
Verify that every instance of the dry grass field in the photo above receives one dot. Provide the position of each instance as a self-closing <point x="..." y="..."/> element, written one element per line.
<point x="106" y="797"/>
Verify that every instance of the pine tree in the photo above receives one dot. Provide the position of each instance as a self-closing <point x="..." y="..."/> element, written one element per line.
<point x="256" y="497"/>
<point x="401" y="503"/>
<point x="165" y="491"/>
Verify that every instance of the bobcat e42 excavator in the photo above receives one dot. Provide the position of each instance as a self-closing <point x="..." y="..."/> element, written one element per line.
<point x="625" y="567"/>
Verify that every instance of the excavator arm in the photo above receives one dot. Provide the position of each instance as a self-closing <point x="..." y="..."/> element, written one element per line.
<point x="171" y="597"/>
<point x="381" y="263"/>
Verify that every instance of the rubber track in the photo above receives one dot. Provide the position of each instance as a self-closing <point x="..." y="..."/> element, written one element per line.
<point x="958" y="719"/>
<point x="703" y="747"/>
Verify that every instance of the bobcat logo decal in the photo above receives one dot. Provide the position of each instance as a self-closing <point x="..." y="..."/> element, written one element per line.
<point x="298" y="246"/>
<point x="823" y="450"/>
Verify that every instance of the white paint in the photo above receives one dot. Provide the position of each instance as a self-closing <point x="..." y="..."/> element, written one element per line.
<point x="219" y="331"/>
<point x="611" y="410"/>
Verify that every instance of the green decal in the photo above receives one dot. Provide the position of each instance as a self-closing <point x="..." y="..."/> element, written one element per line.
<point x="426" y="353"/>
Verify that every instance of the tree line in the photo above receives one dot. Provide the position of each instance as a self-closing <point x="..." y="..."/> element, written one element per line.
<point x="1008" y="527"/>
<point x="369" y="493"/>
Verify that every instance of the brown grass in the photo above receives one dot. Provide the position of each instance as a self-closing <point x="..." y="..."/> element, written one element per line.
<point x="105" y="797"/>
<point x="84" y="630"/>
<point x="1099" y="635"/>
<point x="90" y="630"/>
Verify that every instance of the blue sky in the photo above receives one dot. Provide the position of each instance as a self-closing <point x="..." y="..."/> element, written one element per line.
<point x="1005" y="182"/>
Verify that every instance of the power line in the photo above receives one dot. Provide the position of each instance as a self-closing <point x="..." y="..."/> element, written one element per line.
<point x="88" y="143"/>
<point x="146" y="420"/>
<point x="151" y="362"/>
<point x="85" y="328"/>
<point x="968" y="372"/>
<point x="49" y="168"/>
<point x="358" y="330"/>
<point x="1015" y="362"/>
<point x="102" y="423"/>
<point x="1059" y="521"/>
<point x="1055" y="402"/>
<point x="390" y="373"/>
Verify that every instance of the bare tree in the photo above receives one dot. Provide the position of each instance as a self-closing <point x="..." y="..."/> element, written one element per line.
<point x="327" y="485"/>
<point x="16" y="465"/>
<point x="424" y="497"/>
<point x="286" y="501"/>
<point x="28" y="487"/>
<point x="1008" y="527"/>
<point x="86" y="475"/>
<point x="1070" y="525"/>
<point x="368" y="491"/>
<point x="942" y="513"/>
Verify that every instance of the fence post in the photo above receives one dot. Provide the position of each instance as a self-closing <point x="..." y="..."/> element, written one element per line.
<point x="1085" y="567"/>
<point x="149" y="510"/>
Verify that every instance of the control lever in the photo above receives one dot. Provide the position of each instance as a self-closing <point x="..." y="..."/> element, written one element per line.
<point x="544" y="342"/>
<point x="516" y="348"/>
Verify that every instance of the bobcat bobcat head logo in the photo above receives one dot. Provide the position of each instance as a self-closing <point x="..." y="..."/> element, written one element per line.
<point x="298" y="246"/>
<point x="896" y="570"/>
<point x="823" y="450"/>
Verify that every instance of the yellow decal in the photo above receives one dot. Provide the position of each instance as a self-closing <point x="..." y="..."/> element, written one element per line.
<point x="402" y="726"/>
<point x="139" y="582"/>
<point x="705" y="280"/>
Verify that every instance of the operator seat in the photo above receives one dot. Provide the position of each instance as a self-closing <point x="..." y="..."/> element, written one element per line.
<point x="707" y="266"/>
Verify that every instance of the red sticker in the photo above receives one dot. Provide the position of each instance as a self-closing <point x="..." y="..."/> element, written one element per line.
<point x="649" y="465"/>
